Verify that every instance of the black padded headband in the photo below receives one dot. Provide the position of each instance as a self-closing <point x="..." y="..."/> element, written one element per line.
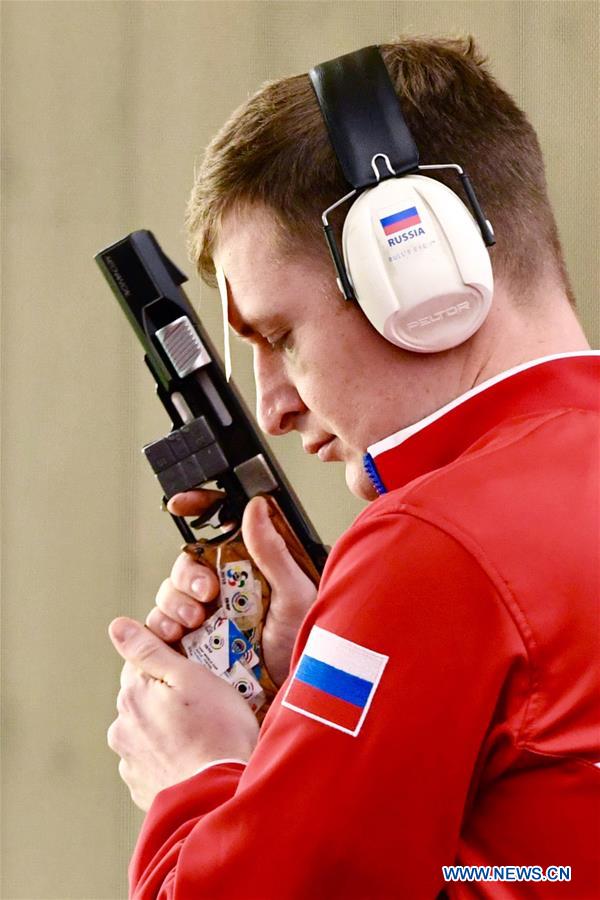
<point x="363" y="117"/>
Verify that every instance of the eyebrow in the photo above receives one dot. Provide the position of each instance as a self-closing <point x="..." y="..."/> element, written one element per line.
<point x="247" y="329"/>
<point x="244" y="330"/>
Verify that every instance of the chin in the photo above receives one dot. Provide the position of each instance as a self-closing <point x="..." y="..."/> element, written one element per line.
<point x="358" y="481"/>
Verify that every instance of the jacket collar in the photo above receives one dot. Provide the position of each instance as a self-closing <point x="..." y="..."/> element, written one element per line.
<point x="538" y="386"/>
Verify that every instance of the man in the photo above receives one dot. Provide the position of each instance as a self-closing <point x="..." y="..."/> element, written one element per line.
<point x="451" y="717"/>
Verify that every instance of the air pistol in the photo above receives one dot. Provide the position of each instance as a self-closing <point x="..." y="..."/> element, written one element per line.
<point x="213" y="442"/>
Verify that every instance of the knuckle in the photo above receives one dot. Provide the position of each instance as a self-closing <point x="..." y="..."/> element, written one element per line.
<point x="167" y="602"/>
<point x="154" y="620"/>
<point x="128" y="673"/>
<point x="113" y="736"/>
<point x="164" y="589"/>
<point x="165" y="626"/>
<point x="151" y="620"/>
<point x="125" y="699"/>
<point x="144" y="650"/>
<point x="183" y="571"/>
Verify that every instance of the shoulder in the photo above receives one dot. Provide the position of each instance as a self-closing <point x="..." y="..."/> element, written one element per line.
<point x="527" y="448"/>
<point x="395" y="577"/>
<point x="464" y="536"/>
<point x="484" y="542"/>
<point x="508" y="490"/>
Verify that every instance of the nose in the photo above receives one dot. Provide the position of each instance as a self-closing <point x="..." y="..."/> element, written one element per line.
<point x="278" y="403"/>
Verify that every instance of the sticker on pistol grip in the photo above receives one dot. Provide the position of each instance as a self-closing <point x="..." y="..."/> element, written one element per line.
<point x="246" y="685"/>
<point x="240" y="593"/>
<point x="250" y="658"/>
<point x="218" y="644"/>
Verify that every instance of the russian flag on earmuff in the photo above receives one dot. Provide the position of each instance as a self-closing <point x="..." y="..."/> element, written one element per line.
<point x="406" y="218"/>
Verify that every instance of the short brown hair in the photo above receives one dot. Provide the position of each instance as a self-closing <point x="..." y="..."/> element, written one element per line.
<point x="274" y="151"/>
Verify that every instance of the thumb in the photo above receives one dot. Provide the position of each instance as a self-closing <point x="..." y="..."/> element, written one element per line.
<point x="268" y="548"/>
<point x="139" y="646"/>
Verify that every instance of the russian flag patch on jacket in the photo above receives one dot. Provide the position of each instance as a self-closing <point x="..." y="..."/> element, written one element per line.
<point x="335" y="681"/>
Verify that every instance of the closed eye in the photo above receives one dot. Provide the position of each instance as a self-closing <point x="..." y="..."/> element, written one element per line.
<point x="280" y="342"/>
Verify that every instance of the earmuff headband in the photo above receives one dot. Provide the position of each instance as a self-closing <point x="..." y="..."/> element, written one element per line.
<point x="363" y="117"/>
<point x="370" y="137"/>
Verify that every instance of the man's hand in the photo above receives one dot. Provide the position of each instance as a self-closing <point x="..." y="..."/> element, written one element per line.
<point x="180" y="599"/>
<point x="174" y="715"/>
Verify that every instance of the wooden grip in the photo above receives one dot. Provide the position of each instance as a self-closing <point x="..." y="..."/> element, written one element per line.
<point x="217" y="554"/>
<point x="297" y="551"/>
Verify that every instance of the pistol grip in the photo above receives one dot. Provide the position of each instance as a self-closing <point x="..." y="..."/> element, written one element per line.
<point x="216" y="555"/>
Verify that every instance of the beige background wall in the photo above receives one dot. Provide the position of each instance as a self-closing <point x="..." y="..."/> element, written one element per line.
<point x="105" y="106"/>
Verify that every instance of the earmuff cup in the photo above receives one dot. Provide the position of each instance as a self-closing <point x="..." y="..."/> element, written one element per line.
<point x="418" y="264"/>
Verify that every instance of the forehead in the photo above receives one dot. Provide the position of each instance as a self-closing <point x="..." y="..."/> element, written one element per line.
<point x="265" y="277"/>
<point x="248" y="245"/>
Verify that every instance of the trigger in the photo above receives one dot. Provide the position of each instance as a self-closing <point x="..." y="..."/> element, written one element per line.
<point x="211" y="516"/>
<point x="221" y="514"/>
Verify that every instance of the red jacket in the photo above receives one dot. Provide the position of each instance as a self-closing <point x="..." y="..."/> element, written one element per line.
<point x="445" y="707"/>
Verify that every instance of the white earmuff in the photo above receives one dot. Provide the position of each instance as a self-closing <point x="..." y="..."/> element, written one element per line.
<point x="418" y="264"/>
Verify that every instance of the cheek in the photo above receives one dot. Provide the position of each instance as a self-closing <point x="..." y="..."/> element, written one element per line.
<point x="327" y="378"/>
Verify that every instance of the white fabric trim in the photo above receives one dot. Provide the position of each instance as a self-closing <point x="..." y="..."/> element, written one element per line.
<point x="220" y="762"/>
<point x="394" y="440"/>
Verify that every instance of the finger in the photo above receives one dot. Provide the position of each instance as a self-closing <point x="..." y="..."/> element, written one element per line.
<point x="163" y="626"/>
<point x="193" y="503"/>
<point x="194" y="579"/>
<point x="268" y="549"/>
<point x="179" y="606"/>
<point x="145" y="650"/>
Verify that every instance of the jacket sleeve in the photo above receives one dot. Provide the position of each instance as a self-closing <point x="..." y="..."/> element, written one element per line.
<point x="321" y="811"/>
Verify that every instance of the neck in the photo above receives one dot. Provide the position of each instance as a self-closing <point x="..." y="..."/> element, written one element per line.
<point x="412" y="386"/>
<point x="517" y="331"/>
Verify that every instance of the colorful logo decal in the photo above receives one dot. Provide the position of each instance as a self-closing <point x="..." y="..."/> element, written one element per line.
<point x="236" y="579"/>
